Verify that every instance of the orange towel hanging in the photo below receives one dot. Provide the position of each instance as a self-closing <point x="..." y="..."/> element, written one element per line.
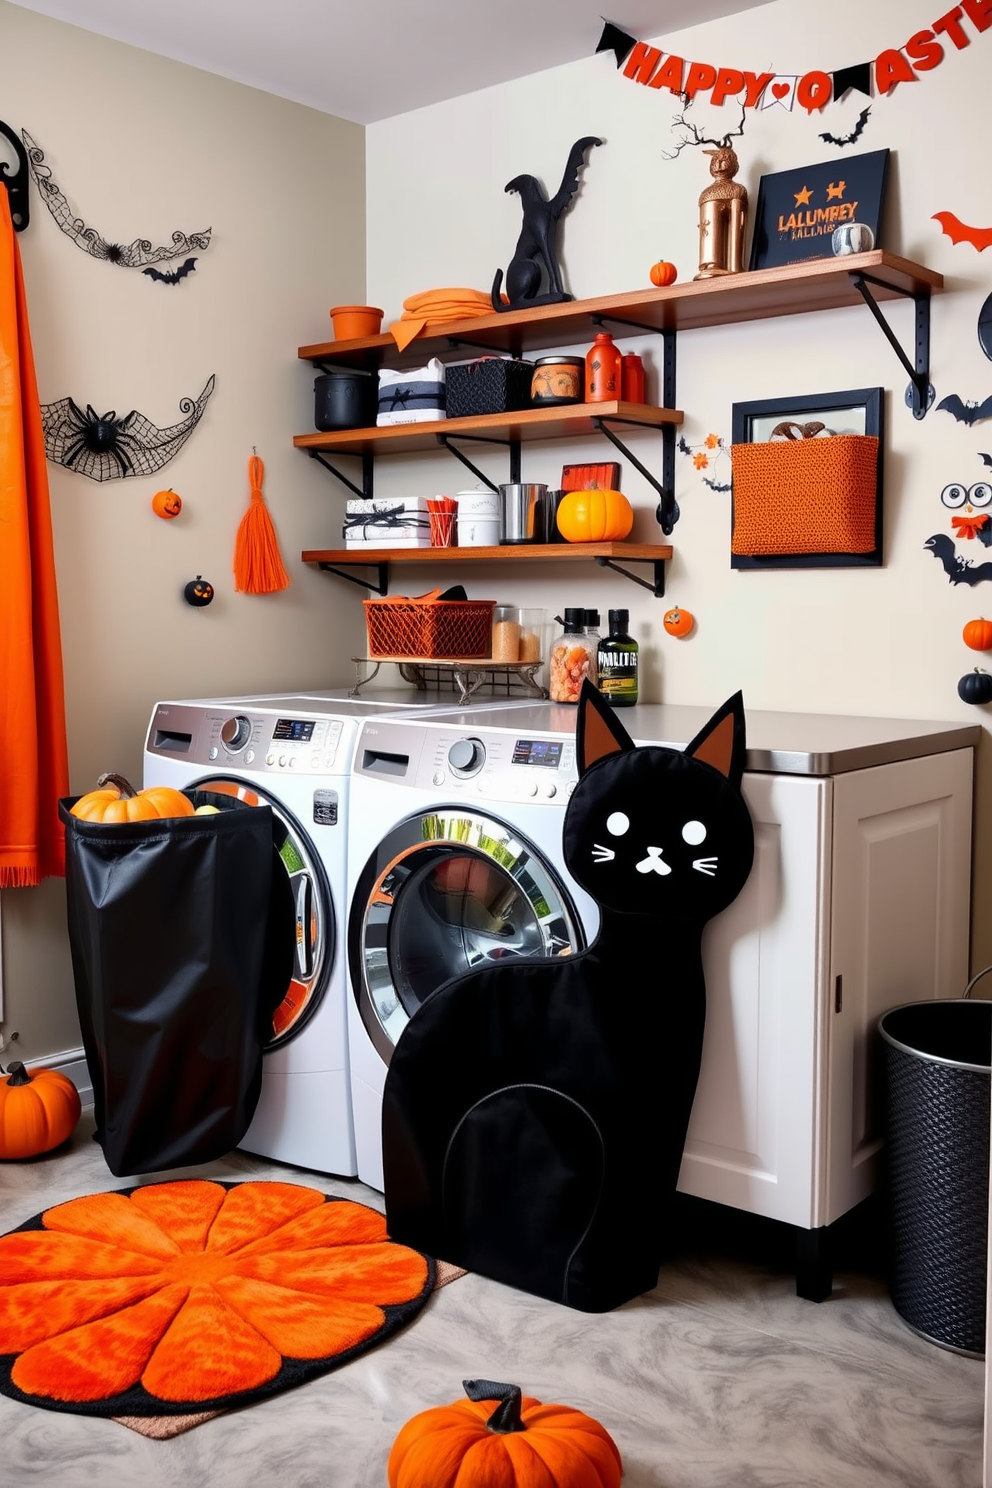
<point x="258" y="565"/>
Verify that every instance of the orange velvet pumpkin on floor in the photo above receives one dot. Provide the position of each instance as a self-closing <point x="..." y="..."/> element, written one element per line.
<point x="520" y="1442"/>
<point x="116" y="800"/>
<point x="594" y="516"/>
<point x="39" y="1109"/>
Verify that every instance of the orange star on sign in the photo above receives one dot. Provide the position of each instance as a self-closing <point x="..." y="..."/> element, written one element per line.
<point x="836" y="190"/>
<point x="802" y="197"/>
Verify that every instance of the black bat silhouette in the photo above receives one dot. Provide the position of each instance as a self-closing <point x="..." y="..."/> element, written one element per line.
<point x="172" y="276"/>
<point x="966" y="413"/>
<point x="986" y="459"/>
<point x="958" y="570"/>
<point x="849" y="139"/>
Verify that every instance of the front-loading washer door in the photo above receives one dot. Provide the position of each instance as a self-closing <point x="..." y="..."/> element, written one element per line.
<point x="445" y="891"/>
<point x="314" y="930"/>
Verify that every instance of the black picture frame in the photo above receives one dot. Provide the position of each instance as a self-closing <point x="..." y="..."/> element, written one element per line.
<point x="851" y="189"/>
<point x="856" y="411"/>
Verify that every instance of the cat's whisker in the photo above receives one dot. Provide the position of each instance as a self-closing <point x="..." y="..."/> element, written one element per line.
<point x="602" y="854"/>
<point x="705" y="865"/>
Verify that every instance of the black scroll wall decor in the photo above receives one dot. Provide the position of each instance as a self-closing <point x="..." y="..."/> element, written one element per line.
<point x="140" y="254"/>
<point x="15" y="180"/>
<point x="105" y="447"/>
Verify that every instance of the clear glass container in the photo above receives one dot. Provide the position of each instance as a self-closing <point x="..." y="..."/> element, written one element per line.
<point x="572" y="659"/>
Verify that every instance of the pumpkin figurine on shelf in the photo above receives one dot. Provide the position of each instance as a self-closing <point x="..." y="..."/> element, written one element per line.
<point x="39" y="1109"/>
<point x="498" y="1436"/>
<point x="116" y="800"/>
<point x="678" y="622"/>
<point x="595" y="516"/>
<point x="978" y="635"/>
<point x="663" y="273"/>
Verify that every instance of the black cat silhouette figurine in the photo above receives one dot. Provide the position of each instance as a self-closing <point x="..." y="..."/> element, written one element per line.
<point x="535" y="1111"/>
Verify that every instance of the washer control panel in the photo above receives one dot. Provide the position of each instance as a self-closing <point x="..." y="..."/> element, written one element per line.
<point x="490" y="763"/>
<point x="276" y="742"/>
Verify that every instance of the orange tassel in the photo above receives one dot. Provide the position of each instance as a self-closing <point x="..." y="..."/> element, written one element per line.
<point x="258" y="565"/>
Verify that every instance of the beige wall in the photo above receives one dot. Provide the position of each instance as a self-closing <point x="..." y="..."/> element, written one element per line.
<point x="884" y="642"/>
<point x="142" y="146"/>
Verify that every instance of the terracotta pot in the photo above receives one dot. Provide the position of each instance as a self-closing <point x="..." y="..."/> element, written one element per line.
<point x="354" y="321"/>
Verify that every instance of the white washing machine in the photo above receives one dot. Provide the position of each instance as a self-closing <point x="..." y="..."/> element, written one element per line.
<point x="294" y="754"/>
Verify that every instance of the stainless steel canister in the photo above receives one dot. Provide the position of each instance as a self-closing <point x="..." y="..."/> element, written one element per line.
<point x="523" y="513"/>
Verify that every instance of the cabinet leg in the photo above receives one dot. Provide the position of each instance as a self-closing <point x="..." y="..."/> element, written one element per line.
<point x="814" y="1272"/>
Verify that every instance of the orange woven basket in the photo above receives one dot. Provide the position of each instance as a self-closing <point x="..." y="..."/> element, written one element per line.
<point x="805" y="495"/>
<point x="429" y="629"/>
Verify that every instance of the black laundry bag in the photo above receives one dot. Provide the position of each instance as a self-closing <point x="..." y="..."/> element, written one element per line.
<point x="181" y="932"/>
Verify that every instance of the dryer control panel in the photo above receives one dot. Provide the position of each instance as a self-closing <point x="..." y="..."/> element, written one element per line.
<point x="262" y="739"/>
<point x="489" y="763"/>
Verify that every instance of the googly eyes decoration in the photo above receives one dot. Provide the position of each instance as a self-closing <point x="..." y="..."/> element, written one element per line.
<point x="956" y="495"/>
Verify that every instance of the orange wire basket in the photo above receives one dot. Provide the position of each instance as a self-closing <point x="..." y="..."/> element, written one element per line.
<point x="428" y="628"/>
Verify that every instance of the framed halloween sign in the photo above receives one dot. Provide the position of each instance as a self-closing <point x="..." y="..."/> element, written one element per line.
<point x="798" y="210"/>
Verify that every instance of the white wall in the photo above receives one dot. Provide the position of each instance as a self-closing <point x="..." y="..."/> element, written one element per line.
<point x="885" y="642"/>
<point x="142" y="146"/>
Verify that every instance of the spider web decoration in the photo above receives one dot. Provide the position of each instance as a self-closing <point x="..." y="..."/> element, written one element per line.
<point x="135" y="255"/>
<point x="703" y="455"/>
<point x="108" y="448"/>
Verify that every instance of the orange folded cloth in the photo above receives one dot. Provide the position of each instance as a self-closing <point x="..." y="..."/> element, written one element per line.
<point x="437" y="305"/>
<point x="34" y="770"/>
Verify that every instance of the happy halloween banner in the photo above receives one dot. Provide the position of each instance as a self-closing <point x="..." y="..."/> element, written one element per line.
<point x="653" y="68"/>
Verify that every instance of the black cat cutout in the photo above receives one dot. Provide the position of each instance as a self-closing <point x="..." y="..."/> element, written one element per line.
<point x="535" y="1111"/>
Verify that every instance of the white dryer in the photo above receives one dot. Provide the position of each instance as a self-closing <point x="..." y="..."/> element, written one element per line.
<point x="294" y="754"/>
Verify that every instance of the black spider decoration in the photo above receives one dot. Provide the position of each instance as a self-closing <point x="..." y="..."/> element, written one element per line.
<point x="105" y="447"/>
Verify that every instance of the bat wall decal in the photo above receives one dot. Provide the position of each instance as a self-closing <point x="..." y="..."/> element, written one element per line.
<point x="985" y="459"/>
<point x="849" y="139"/>
<point x="172" y="276"/>
<point x="966" y="413"/>
<point x="960" y="232"/>
<point x="958" y="570"/>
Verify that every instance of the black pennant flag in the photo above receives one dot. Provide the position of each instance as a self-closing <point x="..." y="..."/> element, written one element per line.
<point x="858" y="77"/>
<point x="615" y="40"/>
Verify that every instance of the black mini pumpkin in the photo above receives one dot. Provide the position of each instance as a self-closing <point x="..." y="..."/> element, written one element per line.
<point x="198" y="592"/>
<point x="975" y="687"/>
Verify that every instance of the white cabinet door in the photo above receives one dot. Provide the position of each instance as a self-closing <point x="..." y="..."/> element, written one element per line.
<point x="751" y="1140"/>
<point x="899" y="933"/>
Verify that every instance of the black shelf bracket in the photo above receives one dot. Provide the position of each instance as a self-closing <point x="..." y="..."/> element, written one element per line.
<point x="368" y="479"/>
<point x="667" y="511"/>
<point x="444" y="440"/>
<point x="919" y="394"/>
<point x="382" y="572"/>
<point x="657" y="587"/>
<point x="16" y="181"/>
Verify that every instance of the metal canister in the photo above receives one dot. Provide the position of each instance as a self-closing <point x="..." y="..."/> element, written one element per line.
<point x="557" y="380"/>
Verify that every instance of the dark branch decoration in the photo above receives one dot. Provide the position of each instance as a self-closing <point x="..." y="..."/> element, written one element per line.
<point x="107" y="447"/>
<point x="536" y="253"/>
<point x="134" y="255"/>
<point x="695" y="136"/>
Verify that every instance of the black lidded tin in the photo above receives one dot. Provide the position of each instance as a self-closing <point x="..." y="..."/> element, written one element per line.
<point x="344" y="400"/>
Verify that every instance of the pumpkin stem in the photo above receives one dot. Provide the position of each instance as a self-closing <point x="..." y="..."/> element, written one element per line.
<point x="125" y="787"/>
<point x="17" y="1074"/>
<point x="506" y="1417"/>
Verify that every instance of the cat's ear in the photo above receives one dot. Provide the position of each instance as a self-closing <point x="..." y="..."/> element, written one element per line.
<point x="598" y="732"/>
<point x="722" y="742"/>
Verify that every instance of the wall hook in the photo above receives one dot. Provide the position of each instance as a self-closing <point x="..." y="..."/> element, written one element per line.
<point x="16" y="181"/>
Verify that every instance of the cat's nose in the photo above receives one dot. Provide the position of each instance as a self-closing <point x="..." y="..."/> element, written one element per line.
<point x="653" y="863"/>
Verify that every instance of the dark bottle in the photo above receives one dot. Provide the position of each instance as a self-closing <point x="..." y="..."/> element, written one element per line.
<point x="618" y="663"/>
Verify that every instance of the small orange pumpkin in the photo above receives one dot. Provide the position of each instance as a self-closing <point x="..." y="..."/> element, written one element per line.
<point x="520" y="1442"/>
<point x="167" y="503"/>
<point x="978" y="635"/>
<point x="663" y="273"/>
<point x="116" y="800"/>
<point x="678" y="622"/>
<point x="39" y="1109"/>
<point x="594" y="516"/>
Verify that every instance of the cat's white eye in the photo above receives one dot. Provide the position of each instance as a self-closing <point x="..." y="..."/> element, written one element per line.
<point x="694" y="833"/>
<point x="617" y="824"/>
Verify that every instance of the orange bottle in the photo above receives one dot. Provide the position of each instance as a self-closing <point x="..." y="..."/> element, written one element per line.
<point x="602" y="370"/>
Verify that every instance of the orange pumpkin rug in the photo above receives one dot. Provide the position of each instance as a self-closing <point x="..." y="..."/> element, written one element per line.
<point x="194" y="1297"/>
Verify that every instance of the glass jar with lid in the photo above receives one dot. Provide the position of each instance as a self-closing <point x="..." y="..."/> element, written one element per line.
<point x="573" y="658"/>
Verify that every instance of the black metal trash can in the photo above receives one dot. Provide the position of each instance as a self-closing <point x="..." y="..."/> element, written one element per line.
<point x="938" y="1077"/>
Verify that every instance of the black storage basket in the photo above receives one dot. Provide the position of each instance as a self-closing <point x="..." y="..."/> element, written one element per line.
<point x="489" y="385"/>
<point x="938" y="1063"/>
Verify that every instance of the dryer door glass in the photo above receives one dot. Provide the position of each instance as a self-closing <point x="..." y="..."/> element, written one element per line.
<point x="313" y="951"/>
<point x="447" y="891"/>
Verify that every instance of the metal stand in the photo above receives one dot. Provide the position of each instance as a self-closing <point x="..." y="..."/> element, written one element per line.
<point x="464" y="676"/>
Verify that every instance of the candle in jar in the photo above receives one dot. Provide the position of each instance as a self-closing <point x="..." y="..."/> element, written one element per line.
<point x="506" y="640"/>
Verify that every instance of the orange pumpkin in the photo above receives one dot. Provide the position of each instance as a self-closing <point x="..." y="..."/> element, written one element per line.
<point x="678" y="622"/>
<point x="39" y="1109"/>
<point x="663" y="273"/>
<point x="470" y="1443"/>
<point x="167" y="503"/>
<point x="116" y="800"/>
<point x="978" y="635"/>
<point x="594" y="516"/>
